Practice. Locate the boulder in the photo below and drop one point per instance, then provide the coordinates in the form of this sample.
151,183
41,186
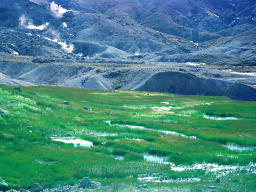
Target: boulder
88,183
36,188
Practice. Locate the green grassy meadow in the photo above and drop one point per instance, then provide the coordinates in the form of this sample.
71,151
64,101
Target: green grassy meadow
128,125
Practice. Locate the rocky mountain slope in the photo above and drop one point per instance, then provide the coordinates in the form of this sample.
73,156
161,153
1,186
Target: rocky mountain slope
204,47
180,78
207,31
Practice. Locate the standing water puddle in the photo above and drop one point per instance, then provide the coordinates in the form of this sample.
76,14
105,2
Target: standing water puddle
159,109
220,118
98,134
154,130
165,103
219,170
72,140
118,157
154,159
235,147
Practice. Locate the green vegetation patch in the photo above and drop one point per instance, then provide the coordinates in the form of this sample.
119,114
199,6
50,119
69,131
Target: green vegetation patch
123,127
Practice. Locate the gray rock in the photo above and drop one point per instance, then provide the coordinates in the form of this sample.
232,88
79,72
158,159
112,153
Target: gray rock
88,109
66,102
88,183
3,185
2,111
36,188
144,186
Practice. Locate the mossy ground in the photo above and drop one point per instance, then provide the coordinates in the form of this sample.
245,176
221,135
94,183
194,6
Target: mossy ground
34,114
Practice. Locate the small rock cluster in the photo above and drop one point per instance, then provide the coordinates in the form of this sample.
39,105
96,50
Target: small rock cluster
86,183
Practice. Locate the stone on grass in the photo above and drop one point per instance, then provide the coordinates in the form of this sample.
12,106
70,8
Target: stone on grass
144,186
88,183
36,188
66,102
2,111
3,185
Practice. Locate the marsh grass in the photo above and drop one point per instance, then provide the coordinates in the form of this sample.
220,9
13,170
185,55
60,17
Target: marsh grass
28,155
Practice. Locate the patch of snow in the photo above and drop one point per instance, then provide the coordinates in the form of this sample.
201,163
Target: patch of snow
72,140
220,118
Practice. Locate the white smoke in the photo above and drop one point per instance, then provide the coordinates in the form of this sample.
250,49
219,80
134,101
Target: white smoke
63,44
58,10
39,27
30,25
67,48
64,25
23,20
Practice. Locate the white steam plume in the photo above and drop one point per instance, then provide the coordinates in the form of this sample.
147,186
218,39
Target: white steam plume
30,25
58,10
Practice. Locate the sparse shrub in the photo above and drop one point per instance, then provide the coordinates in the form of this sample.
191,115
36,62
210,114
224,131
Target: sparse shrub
158,152
98,70
133,157
120,152
117,85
